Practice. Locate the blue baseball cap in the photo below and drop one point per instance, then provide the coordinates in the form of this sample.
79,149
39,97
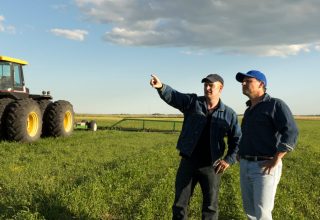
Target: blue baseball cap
253,74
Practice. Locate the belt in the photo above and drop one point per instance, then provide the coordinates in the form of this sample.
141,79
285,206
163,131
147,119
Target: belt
255,158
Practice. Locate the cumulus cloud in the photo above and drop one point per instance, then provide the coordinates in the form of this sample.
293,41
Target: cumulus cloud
317,47
264,27
76,34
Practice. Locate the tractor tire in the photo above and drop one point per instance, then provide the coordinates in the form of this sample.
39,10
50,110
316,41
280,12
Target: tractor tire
43,105
3,104
59,119
23,121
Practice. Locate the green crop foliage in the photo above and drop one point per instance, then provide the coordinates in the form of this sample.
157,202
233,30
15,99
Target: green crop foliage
112,174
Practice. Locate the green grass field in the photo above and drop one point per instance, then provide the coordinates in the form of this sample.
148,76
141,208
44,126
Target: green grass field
112,174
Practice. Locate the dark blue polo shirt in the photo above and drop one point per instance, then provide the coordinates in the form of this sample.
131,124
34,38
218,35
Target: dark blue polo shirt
267,128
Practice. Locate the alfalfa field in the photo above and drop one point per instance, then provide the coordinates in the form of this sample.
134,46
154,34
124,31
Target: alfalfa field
118,174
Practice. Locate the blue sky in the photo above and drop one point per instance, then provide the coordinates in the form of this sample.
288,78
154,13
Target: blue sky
99,54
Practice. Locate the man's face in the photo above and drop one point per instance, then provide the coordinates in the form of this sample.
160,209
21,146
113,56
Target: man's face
212,90
251,86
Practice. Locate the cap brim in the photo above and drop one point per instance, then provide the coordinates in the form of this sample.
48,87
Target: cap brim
240,77
205,80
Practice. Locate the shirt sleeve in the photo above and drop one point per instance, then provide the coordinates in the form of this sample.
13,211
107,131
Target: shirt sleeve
286,126
233,141
176,99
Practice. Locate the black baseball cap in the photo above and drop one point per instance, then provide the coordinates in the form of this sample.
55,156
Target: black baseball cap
213,78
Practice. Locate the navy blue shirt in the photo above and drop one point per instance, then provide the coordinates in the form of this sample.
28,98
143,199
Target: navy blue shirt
266,128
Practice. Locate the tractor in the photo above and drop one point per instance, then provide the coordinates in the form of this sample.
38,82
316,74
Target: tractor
26,117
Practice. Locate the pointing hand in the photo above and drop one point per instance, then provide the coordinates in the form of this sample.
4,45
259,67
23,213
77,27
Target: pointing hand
155,82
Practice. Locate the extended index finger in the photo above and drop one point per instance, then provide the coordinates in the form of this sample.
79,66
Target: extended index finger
154,76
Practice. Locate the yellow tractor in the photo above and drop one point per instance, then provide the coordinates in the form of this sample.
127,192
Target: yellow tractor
26,117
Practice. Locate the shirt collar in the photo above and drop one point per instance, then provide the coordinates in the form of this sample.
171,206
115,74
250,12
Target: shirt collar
221,106
266,97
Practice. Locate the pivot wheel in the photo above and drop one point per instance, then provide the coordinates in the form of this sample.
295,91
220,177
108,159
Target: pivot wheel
92,125
58,119
24,121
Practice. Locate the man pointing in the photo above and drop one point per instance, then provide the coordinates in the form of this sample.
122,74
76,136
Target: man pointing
207,120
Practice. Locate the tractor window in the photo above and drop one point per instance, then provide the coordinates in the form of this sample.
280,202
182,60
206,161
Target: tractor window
17,75
5,79
4,69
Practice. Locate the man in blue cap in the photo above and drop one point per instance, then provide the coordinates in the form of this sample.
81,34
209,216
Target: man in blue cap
207,121
269,131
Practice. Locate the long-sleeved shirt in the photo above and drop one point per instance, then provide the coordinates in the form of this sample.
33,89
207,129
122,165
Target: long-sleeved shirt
268,127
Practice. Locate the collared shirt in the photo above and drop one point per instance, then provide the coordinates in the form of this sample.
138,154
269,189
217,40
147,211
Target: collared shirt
267,127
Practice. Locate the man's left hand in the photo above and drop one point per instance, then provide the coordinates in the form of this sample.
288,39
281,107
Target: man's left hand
221,166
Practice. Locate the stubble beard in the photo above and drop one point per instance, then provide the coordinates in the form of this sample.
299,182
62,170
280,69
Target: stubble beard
246,92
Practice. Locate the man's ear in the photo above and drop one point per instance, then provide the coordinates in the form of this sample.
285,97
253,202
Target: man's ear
221,87
261,84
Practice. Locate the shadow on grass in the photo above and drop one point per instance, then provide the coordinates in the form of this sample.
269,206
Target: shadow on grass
42,207
51,207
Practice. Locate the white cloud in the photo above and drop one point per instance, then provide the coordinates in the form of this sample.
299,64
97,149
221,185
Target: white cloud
317,47
272,50
1,25
76,34
264,27
8,29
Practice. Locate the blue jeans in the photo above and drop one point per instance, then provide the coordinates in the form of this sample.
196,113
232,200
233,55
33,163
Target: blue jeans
258,189
188,175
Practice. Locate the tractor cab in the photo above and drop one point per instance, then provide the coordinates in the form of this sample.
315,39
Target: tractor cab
11,77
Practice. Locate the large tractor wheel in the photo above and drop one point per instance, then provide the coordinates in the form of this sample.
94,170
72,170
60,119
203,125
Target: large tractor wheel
23,120
43,104
58,119
3,104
